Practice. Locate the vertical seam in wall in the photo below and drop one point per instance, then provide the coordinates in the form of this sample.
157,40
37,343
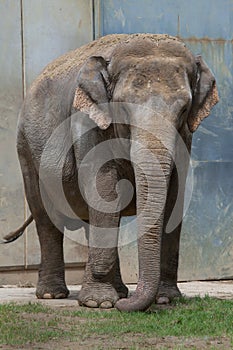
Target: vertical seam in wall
22,49
178,26
23,93
93,19
97,9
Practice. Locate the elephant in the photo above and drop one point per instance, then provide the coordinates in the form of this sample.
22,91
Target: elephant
141,95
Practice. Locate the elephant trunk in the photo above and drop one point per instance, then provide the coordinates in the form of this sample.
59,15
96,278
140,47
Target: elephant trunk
152,167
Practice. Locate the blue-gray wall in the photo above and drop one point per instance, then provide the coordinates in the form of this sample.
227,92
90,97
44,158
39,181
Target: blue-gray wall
207,28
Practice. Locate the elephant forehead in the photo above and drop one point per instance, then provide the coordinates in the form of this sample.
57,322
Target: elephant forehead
151,62
153,76
156,98
159,68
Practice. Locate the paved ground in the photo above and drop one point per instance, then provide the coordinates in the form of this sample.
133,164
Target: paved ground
223,290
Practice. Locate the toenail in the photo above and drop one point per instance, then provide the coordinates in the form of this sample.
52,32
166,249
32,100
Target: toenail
91,303
60,296
106,305
163,300
47,296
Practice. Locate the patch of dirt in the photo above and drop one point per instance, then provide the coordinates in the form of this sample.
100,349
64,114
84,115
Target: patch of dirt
129,341
126,341
26,284
132,342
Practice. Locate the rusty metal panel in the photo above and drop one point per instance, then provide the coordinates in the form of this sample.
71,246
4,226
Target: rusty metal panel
207,245
50,29
207,28
198,18
11,188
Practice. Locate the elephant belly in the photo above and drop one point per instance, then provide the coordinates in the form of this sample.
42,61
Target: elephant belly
75,199
76,202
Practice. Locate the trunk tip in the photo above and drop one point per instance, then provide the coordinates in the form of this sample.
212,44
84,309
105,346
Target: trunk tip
131,305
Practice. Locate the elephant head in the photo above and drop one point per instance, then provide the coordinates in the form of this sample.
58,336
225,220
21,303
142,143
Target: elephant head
167,92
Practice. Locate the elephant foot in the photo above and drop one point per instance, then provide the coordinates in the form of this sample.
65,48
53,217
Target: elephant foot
98,294
51,290
167,292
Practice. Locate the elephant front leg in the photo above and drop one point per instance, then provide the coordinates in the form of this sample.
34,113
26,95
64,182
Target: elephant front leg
102,285
51,282
101,280
168,288
101,292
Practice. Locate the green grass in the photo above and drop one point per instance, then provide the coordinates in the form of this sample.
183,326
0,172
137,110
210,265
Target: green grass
195,318
19,325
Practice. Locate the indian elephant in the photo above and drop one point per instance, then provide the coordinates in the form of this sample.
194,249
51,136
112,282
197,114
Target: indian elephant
148,90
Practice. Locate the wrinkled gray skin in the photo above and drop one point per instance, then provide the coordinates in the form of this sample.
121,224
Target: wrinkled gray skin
139,69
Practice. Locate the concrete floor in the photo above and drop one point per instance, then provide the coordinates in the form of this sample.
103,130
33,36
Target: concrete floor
219,289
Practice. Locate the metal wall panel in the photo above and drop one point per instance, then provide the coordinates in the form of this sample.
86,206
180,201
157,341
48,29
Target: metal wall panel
192,18
50,29
207,28
11,188
32,33
207,245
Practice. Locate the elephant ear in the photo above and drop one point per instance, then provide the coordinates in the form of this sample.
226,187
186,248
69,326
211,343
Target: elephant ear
205,95
91,95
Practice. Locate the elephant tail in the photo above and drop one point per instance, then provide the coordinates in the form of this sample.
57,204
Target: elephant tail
12,236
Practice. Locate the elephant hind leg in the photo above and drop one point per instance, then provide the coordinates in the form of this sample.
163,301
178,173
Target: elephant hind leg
118,284
167,293
51,281
168,289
